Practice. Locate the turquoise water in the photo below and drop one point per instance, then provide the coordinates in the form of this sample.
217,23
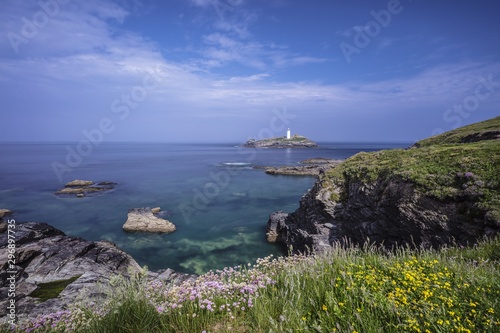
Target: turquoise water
218,202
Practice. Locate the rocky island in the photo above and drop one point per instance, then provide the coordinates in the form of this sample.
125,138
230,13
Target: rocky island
295,141
83,188
443,190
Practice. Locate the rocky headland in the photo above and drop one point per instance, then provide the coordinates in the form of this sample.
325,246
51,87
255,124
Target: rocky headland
443,190
53,270
295,141
310,167
83,188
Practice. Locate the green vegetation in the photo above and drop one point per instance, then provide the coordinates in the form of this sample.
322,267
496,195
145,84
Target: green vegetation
465,133
446,171
345,290
282,141
52,289
348,289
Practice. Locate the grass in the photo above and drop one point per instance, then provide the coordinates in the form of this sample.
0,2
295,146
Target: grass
462,134
466,172
49,290
356,289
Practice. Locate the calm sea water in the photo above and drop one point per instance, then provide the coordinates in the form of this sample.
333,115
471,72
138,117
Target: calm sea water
219,203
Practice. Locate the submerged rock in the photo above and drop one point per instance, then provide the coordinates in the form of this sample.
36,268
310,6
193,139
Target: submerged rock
143,219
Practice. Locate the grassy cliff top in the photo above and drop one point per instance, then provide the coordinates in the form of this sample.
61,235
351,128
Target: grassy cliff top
442,167
485,130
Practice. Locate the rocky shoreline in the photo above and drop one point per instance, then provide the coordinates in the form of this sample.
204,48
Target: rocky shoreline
45,255
418,197
312,167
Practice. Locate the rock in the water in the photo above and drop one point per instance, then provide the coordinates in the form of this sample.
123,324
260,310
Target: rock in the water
312,167
5,212
143,219
79,183
296,141
274,225
156,210
82,188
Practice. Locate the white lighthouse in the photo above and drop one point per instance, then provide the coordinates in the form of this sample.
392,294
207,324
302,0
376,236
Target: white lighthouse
288,134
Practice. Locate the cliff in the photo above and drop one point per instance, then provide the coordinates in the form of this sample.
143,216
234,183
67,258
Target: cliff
443,190
295,141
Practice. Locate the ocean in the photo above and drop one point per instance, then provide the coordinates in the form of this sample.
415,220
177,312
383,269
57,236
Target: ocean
219,203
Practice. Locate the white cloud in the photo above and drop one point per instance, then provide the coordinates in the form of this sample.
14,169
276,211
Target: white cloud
82,76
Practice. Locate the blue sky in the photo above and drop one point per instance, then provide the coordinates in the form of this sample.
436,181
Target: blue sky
228,70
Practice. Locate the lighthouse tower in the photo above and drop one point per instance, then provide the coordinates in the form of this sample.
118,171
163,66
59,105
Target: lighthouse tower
288,134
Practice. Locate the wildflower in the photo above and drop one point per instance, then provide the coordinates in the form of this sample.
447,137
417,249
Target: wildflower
324,307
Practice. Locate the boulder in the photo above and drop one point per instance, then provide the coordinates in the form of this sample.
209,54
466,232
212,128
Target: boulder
274,225
5,212
156,210
143,219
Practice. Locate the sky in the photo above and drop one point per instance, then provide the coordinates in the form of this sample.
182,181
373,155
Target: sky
230,70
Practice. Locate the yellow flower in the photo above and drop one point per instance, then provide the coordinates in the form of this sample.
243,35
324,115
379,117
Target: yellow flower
324,307
304,318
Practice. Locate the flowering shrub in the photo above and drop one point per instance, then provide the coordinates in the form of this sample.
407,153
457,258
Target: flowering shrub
228,291
344,290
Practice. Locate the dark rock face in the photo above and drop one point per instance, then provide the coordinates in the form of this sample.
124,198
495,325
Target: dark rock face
45,254
390,213
489,135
